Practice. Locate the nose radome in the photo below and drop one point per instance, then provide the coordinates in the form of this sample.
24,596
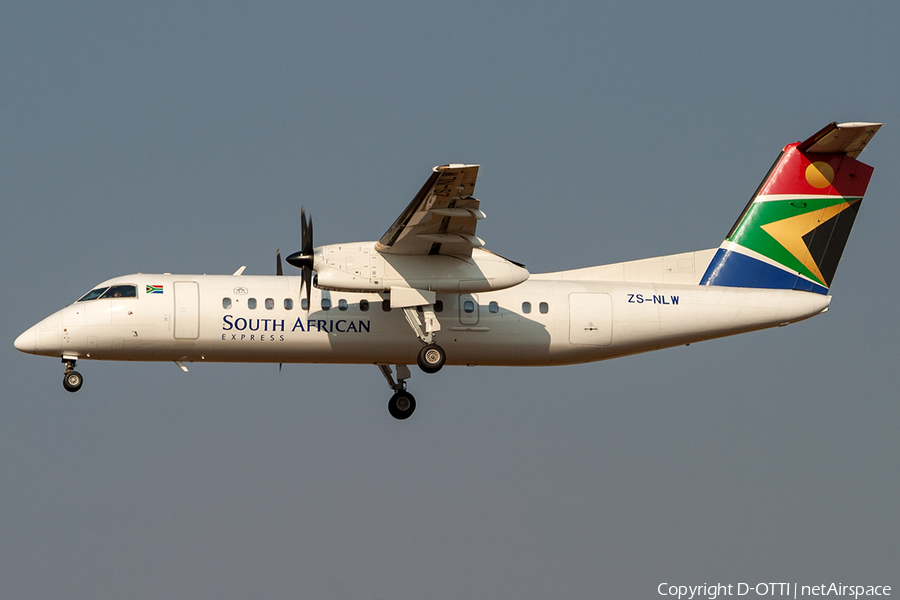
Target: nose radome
25,342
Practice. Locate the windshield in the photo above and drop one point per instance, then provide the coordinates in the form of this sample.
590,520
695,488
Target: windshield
92,295
116,291
120,291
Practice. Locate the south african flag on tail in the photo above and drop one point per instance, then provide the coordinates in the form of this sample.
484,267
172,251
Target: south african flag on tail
792,233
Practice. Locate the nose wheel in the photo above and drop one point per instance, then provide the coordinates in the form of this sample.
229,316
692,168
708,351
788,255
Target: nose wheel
72,379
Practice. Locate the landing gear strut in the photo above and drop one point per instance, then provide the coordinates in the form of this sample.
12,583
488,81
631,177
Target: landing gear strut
72,379
402,404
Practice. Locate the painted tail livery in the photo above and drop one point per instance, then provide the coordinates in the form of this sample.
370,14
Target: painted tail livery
793,231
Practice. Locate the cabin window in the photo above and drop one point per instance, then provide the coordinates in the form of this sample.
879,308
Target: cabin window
494,307
469,306
304,304
270,303
326,303
288,304
526,307
364,305
545,308
386,305
251,303
342,304
439,306
226,303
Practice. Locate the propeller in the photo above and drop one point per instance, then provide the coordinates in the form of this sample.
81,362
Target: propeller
303,259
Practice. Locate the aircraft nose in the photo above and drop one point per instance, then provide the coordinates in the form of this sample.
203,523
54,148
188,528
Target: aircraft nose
26,341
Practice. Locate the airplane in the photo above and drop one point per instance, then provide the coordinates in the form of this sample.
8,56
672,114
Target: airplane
429,292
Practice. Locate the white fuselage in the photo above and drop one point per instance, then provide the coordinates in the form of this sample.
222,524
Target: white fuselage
547,320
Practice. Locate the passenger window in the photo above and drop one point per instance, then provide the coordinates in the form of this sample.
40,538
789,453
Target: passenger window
251,303
342,304
526,307
226,303
364,305
288,304
270,303
469,306
439,306
544,308
304,304
326,303
494,307
120,291
386,305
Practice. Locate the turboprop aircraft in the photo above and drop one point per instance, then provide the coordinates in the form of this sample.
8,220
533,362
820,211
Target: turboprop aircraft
429,292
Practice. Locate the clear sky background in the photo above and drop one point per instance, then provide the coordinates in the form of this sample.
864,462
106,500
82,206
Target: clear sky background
184,137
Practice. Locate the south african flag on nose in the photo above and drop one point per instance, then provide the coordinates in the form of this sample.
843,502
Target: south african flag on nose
154,289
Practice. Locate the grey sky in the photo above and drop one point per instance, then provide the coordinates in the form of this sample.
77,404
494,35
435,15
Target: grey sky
185,136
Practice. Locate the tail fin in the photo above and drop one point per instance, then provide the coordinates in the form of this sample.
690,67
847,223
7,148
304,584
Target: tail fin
792,233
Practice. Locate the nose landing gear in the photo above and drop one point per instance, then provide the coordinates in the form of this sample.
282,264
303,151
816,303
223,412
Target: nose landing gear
72,379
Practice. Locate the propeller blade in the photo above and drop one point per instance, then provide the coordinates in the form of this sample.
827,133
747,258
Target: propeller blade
307,280
305,258
305,232
278,270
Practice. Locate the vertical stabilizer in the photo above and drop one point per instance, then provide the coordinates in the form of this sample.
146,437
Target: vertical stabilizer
792,233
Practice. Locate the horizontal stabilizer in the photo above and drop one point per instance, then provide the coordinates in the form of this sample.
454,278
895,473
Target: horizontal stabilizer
843,138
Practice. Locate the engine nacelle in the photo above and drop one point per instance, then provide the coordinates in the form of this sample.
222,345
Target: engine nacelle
358,267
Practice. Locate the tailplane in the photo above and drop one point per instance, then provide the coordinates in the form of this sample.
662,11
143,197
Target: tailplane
792,233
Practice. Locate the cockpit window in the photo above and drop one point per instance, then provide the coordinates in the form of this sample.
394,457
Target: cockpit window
120,291
92,295
116,291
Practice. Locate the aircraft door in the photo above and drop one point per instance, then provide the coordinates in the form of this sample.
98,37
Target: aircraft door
468,309
187,310
590,319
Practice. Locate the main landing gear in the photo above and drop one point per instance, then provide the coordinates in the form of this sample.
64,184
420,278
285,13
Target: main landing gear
402,404
431,358
418,308
424,324
72,379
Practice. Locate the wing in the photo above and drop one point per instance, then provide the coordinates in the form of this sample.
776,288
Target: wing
441,218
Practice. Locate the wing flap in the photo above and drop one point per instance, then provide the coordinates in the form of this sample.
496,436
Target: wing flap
452,238
459,212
